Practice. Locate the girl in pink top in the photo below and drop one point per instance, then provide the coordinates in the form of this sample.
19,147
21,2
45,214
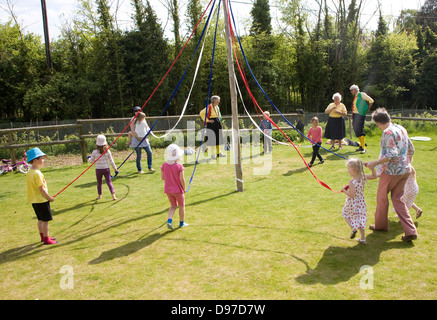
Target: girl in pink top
172,172
315,135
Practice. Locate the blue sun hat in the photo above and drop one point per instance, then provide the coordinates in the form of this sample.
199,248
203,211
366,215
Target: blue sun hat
34,153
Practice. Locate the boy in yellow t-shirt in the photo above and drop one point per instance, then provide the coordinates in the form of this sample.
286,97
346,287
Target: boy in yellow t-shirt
37,194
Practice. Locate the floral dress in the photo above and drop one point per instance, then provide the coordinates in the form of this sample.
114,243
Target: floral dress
355,208
411,190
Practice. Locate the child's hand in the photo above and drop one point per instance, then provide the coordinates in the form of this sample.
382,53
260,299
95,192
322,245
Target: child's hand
345,188
51,199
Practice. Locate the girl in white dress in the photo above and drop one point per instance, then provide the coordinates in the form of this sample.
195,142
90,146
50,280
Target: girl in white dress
355,209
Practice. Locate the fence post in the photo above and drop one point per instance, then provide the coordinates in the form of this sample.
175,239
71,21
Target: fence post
82,144
12,150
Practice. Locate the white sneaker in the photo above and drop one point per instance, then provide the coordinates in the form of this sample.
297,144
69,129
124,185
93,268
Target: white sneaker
184,225
170,226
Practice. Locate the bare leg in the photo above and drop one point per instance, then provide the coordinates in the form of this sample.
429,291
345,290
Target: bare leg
418,210
363,235
348,221
182,213
43,227
171,212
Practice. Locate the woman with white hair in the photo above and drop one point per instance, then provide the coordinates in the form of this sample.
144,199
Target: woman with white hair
214,134
336,128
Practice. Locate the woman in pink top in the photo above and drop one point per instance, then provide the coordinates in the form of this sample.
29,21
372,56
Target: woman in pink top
172,172
315,135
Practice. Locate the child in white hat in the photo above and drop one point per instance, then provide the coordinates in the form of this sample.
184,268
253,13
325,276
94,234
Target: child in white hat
172,172
102,165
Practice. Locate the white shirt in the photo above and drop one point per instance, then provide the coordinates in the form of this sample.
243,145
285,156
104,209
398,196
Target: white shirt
141,128
104,161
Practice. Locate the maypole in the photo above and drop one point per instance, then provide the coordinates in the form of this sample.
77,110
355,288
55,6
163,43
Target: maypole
236,147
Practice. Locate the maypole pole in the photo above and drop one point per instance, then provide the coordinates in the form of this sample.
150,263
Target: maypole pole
236,146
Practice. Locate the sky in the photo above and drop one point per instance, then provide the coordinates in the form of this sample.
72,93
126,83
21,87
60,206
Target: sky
29,16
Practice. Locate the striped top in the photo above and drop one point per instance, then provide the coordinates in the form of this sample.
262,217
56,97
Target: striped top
104,161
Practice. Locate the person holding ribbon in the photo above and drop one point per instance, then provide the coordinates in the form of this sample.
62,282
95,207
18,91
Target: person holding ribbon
139,128
214,134
394,168
362,103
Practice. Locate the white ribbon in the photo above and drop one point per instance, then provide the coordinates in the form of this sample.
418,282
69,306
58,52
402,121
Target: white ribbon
192,86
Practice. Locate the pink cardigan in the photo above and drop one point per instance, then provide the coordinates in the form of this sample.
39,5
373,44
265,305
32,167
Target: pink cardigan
315,134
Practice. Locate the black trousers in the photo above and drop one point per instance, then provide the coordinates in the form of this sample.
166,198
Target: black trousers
316,153
358,124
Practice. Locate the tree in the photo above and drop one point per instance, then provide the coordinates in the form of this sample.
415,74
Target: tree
21,68
426,15
407,21
263,48
145,56
392,70
262,21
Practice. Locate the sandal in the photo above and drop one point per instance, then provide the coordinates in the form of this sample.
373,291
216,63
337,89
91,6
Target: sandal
418,214
353,234
361,241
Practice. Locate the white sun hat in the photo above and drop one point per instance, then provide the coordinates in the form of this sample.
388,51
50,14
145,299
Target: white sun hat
101,140
174,152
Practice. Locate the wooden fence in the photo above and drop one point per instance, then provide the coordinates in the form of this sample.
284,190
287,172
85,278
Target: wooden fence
81,123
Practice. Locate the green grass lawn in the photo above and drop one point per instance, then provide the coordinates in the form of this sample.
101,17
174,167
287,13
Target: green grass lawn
282,238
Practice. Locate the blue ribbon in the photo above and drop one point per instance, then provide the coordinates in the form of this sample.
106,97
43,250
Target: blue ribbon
259,86
174,92
207,100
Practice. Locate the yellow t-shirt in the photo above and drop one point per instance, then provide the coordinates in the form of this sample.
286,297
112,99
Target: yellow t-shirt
215,112
341,107
35,179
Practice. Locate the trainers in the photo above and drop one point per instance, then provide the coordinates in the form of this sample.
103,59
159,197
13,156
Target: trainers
310,165
50,241
322,162
152,170
184,225
170,226
363,151
359,149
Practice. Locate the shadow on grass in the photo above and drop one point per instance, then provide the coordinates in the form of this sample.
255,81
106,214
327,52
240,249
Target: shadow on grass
93,203
28,250
246,248
131,247
89,203
210,199
333,157
339,264
296,171
17,253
